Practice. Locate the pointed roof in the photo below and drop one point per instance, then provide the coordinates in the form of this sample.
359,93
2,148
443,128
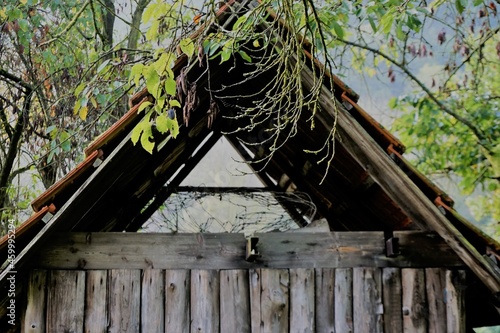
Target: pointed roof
369,185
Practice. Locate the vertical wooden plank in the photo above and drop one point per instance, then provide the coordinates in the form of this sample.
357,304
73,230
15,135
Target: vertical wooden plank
96,306
367,300
152,302
455,301
234,301
124,300
343,300
392,298
302,300
65,301
435,287
415,311
34,319
274,300
325,287
177,297
205,301
255,301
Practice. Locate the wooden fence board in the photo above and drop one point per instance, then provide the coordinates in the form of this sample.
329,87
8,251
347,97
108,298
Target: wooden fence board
234,301
96,306
65,301
343,300
367,300
274,300
255,301
415,310
455,301
152,301
435,286
124,300
177,299
227,251
325,290
392,298
205,301
34,319
302,300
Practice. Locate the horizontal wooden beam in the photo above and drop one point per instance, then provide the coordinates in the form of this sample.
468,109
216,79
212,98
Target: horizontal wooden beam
227,251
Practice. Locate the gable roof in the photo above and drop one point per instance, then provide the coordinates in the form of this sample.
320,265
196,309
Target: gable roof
369,185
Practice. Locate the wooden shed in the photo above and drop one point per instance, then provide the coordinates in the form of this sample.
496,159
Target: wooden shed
393,256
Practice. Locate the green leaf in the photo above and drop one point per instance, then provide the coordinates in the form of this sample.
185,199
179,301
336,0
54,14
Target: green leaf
173,127
65,142
152,80
245,56
174,103
76,108
225,54
170,86
239,22
102,66
135,73
143,106
187,46
460,6
162,123
79,89
393,102
338,29
147,134
136,132
83,112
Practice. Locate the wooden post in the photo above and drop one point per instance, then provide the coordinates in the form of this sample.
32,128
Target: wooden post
435,285
274,300
302,300
343,300
255,301
392,298
415,311
205,301
96,305
455,301
152,301
325,290
124,300
367,300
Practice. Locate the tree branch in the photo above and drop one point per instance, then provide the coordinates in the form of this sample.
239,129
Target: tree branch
477,132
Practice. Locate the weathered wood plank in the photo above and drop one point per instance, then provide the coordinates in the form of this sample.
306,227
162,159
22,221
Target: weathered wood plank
455,301
325,290
255,301
124,300
302,300
234,301
435,287
274,300
343,300
177,298
415,310
65,301
152,301
392,298
34,319
367,300
227,251
205,301
96,306
398,186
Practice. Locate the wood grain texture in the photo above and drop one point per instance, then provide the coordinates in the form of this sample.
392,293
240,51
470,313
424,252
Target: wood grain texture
96,302
325,291
302,300
274,300
415,310
65,301
34,318
124,300
152,301
455,301
205,301
177,299
255,301
343,300
435,285
367,300
227,251
392,298
234,301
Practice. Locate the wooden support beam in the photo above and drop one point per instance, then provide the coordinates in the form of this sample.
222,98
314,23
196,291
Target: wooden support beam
397,185
227,251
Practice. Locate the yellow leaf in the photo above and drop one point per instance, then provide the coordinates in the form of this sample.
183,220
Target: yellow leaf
83,112
23,1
